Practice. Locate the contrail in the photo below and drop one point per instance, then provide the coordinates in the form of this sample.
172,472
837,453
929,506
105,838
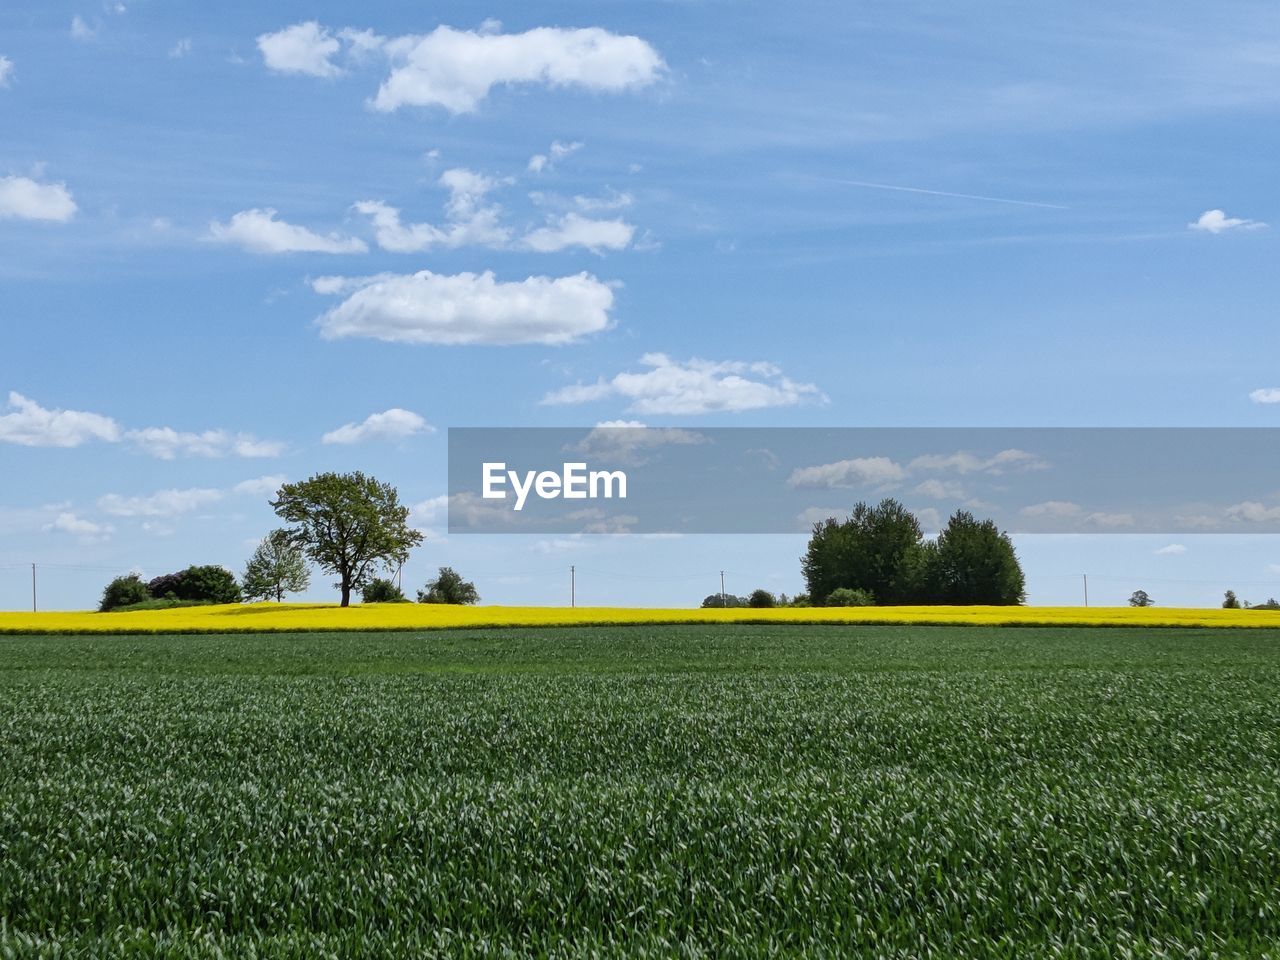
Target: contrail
944,193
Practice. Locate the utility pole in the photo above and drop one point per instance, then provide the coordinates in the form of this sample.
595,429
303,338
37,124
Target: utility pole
1086,588
722,598
33,588
573,585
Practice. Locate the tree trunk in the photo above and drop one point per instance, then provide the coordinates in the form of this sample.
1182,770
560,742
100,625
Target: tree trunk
346,592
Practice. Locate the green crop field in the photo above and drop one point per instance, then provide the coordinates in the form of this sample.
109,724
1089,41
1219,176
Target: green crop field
647,791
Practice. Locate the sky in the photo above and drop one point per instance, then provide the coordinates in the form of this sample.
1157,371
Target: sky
245,242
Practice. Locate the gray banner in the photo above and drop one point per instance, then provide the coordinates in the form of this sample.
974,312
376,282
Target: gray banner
781,480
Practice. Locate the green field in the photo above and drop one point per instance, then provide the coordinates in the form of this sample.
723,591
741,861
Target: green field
647,791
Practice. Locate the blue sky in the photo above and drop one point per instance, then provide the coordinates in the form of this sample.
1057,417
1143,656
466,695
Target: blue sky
852,215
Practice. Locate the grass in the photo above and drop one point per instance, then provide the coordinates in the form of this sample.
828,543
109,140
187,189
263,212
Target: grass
649,791
294,617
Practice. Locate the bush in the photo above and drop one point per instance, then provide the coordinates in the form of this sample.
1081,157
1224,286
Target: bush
208,584
378,590
761,599
846,597
122,592
449,587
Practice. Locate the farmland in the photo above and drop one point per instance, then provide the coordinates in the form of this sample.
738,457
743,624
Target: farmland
710,790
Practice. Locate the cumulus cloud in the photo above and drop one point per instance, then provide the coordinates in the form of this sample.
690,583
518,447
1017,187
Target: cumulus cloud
86,530
469,220
260,486
393,424
22,198
305,48
1265,395
629,442
856,472
466,308
163,503
1171,550
1110,520
456,69
80,29
175,502
574,230
31,425
694,386
1215,221
6,71
963,462
1053,509
258,231
1253,512
541,162
939,490
165,443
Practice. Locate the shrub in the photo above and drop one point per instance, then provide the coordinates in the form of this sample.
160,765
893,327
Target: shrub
449,587
846,597
123,591
761,599
379,590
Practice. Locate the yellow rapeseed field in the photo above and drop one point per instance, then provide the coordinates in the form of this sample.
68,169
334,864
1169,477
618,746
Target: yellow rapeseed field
264,617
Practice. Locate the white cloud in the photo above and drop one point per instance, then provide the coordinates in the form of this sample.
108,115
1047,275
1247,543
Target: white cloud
694,386
456,69
180,49
939,490
302,48
466,308
260,486
805,519
22,198
1054,509
165,443
1266,395
84,529
80,30
1215,221
859,471
258,231
1253,512
1110,520
573,230
393,424
627,442
963,462
468,219
614,201
163,503
541,162
6,71
31,425
1171,550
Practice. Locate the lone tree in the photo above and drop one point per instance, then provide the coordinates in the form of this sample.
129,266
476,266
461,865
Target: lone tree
1140,599
1229,601
449,587
277,567
348,524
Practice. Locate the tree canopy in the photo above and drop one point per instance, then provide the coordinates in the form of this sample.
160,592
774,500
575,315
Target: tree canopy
277,567
348,524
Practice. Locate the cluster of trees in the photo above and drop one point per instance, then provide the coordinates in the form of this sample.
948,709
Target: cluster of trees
1231,602
348,524
879,555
